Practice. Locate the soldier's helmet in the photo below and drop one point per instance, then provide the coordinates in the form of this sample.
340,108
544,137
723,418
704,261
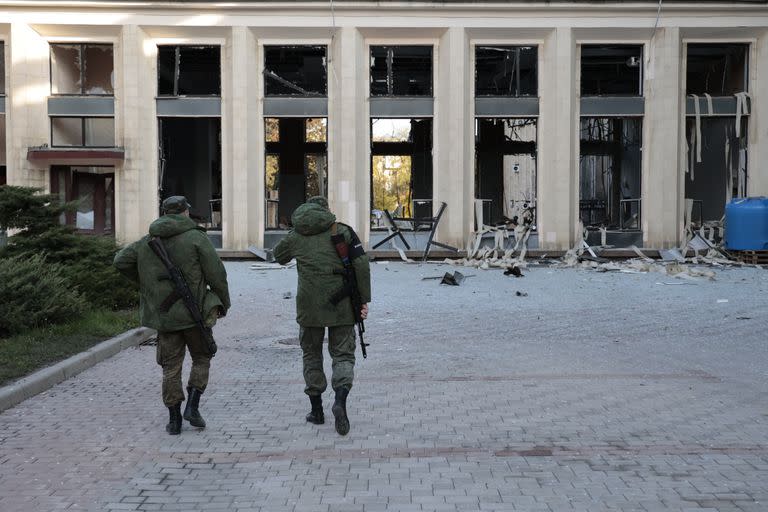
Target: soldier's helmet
176,204
319,200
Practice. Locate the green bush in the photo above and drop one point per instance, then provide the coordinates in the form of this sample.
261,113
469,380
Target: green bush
85,260
35,293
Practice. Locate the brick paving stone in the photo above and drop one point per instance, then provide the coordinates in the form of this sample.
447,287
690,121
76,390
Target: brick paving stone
595,392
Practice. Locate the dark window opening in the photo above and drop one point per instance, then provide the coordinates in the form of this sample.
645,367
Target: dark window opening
2,68
611,70
82,69
295,71
94,190
189,70
610,171
401,169
505,170
296,165
3,156
92,132
721,173
506,71
190,166
401,71
716,69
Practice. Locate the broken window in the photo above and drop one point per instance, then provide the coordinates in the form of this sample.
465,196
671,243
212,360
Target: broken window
82,69
506,71
189,70
610,171
611,70
401,168
295,71
401,71
190,166
82,131
716,69
716,170
2,68
505,170
94,190
296,165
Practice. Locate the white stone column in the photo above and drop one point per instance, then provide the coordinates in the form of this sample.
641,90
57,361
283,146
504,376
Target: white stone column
663,142
242,144
558,143
757,172
136,184
26,117
349,179
453,171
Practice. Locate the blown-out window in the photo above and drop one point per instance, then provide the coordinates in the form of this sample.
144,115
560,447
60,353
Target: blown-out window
82,132
188,70
506,71
611,70
82,69
295,71
401,70
717,69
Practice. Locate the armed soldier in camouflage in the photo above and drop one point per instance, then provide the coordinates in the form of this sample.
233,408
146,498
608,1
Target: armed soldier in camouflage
193,254
320,278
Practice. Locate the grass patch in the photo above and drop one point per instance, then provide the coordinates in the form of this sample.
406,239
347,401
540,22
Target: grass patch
24,353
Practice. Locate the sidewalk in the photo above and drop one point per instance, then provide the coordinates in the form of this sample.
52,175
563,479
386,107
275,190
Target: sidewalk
597,391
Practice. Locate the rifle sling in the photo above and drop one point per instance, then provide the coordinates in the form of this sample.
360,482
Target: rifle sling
169,301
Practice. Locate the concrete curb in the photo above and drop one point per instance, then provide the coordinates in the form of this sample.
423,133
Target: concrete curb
46,378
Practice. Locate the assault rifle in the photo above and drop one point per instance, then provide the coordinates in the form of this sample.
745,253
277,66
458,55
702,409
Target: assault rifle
349,289
182,291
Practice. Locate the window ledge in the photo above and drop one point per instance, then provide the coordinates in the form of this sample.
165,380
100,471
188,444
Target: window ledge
76,156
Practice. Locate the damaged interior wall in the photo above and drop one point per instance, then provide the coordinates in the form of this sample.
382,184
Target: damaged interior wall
190,165
401,70
82,69
401,168
716,157
505,170
295,70
610,171
296,164
506,71
188,70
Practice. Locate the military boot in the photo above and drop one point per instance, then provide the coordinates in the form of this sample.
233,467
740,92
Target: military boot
340,411
191,412
174,423
316,415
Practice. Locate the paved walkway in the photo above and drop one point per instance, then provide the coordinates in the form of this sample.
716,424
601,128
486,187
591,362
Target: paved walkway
596,391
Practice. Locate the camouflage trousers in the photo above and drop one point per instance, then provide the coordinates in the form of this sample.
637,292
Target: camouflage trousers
341,346
171,347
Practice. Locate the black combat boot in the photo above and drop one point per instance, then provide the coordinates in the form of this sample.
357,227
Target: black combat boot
174,422
340,411
316,415
191,412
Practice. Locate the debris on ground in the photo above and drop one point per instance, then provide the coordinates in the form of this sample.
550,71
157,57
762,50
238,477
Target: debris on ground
521,294
287,295
272,266
514,270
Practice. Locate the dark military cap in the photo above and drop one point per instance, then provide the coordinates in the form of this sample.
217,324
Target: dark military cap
176,204
319,200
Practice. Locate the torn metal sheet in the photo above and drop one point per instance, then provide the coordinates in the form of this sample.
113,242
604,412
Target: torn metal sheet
272,266
264,254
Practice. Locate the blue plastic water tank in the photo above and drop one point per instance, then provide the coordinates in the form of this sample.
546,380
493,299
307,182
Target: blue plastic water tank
746,224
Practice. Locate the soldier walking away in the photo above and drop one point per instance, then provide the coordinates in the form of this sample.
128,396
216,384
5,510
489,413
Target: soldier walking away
164,303
323,300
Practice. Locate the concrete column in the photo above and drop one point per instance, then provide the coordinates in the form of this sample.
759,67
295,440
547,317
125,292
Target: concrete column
757,173
453,135
349,178
558,143
663,142
26,118
136,190
242,144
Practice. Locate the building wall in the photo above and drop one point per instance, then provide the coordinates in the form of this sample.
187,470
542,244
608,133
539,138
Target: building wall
453,29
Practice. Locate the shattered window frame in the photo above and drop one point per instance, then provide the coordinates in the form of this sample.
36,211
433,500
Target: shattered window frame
2,68
83,65
163,81
289,72
524,80
394,80
721,52
609,83
84,132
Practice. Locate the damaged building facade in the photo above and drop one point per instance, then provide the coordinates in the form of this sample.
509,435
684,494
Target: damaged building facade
627,120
